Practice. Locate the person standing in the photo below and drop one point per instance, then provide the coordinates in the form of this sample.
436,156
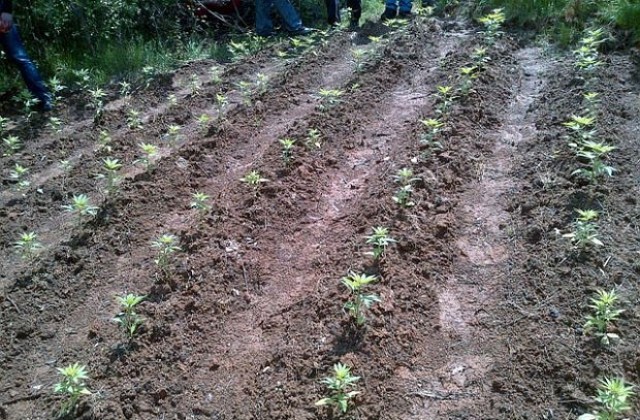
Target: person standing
333,12
15,51
396,8
290,17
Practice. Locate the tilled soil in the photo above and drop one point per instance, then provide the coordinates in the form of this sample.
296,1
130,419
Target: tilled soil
483,300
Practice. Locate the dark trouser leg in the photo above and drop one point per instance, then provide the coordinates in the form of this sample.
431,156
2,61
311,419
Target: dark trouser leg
333,11
356,9
12,46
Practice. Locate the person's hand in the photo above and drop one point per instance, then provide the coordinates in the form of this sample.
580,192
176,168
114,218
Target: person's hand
6,22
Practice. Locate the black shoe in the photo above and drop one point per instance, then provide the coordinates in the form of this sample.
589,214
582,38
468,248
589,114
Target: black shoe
405,15
354,24
44,106
301,31
388,14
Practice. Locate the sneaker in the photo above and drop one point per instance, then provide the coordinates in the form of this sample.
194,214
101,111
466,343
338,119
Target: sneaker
301,31
388,14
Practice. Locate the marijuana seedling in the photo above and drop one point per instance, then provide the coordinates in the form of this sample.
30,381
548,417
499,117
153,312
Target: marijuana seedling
428,139
128,319
480,58
585,230
445,99
359,301
492,23
221,104
380,240
339,386
262,83
173,100
55,124
72,385
104,141
167,245
18,174
215,74
81,207
12,145
313,139
359,56
203,122
605,314
581,128
593,101
287,150
111,168
594,152
173,134
254,180
246,92
613,397
194,85
200,202
97,102
329,98
149,152
28,245
405,178
467,75
133,119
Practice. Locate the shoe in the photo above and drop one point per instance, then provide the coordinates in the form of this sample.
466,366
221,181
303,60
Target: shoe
44,106
301,31
405,15
354,24
266,34
388,14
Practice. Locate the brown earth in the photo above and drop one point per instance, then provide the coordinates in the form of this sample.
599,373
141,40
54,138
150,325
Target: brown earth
483,301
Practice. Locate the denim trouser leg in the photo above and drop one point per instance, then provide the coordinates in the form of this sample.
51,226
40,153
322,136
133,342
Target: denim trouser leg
333,11
405,6
391,4
12,46
264,24
290,16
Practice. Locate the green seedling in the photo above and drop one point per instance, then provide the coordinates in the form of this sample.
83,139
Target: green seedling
329,98
313,140
194,85
339,385
254,180
133,119
203,122
405,178
111,168
166,245
18,174
81,207
72,386
480,58
215,75
65,166
492,23
4,123
467,75
359,301
173,134
221,104
173,100
246,92
200,202
28,245
433,128
593,101
56,87
262,83
613,399
104,141
239,49
287,150
12,145
55,124
128,319
581,128
83,78
594,152
585,230
380,240
97,102
359,57
445,96
125,89
604,315
586,55
149,152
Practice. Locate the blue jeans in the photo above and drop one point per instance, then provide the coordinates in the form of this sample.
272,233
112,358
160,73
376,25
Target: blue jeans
13,48
290,17
405,5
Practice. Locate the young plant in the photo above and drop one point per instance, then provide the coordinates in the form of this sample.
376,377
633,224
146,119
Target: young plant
594,152
246,92
104,141
480,58
593,101
221,104
81,207
55,87
125,89
433,128
605,314
166,246
18,174
173,134
585,230
55,124
329,98
339,385
111,168
173,100
28,245
262,83
405,178
133,119
287,150
586,56
194,85
200,202
4,123
12,145
215,75
128,319
359,57
359,301
445,96
254,180
380,240
203,122
581,128
65,166
467,75
313,139
492,23
149,152
97,102
613,397
72,386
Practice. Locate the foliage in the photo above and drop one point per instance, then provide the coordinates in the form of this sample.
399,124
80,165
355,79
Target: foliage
166,245
81,207
585,230
254,180
359,301
72,385
380,240
613,397
200,202
339,386
128,319
604,315
27,245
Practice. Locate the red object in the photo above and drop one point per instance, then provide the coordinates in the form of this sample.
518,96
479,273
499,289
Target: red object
224,7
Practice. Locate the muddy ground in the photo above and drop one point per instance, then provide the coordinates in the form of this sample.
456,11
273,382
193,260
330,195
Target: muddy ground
483,300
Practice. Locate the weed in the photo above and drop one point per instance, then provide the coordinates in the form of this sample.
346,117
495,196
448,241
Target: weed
582,128
27,245
56,87
492,23
359,301
125,89
339,386
200,202
4,123
586,55
585,230
254,180
12,145
72,385
149,152
111,168
128,319
313,140
603,317
133,119
613,397
287,150
594,152
166,246
380,240
329,98
445,96
81,207
405,178
18,174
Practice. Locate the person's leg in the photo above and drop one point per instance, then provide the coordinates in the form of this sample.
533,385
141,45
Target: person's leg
264,24
356,11
15,51
405,7
390,10
333,11
290,16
